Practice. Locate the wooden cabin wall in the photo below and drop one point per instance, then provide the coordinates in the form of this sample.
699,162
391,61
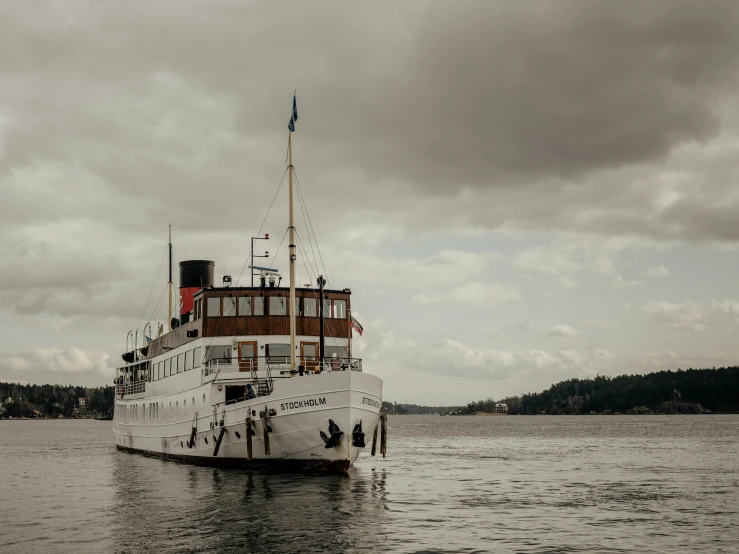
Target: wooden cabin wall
273,325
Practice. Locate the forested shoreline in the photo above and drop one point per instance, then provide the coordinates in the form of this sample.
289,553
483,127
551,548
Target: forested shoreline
30,401
680,391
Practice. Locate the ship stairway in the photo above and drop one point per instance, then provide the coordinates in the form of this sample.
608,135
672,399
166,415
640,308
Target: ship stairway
263,386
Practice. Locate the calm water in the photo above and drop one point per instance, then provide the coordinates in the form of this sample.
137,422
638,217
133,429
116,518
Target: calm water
449,484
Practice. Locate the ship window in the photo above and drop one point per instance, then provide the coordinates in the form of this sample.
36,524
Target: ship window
340,309
310,307
188,360
217,353
327,308
180,363
197,358
214,306
259,305
278,353
166,368
173,365
198,308
336,351
277,305
229,305
245,305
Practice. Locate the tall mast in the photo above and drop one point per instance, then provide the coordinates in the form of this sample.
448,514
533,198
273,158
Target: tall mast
291,303
169,313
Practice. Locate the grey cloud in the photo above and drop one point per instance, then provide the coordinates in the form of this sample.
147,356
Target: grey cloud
173,113
563,331
557,88
588,119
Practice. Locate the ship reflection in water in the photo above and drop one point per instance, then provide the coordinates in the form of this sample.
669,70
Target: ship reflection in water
168,507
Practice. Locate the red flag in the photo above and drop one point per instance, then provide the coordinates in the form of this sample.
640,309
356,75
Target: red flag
356,326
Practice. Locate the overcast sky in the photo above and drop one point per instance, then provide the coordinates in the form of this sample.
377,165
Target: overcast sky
517,192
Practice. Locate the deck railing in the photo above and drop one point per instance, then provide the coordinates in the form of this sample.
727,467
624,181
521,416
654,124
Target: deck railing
263,370
279,366
130,388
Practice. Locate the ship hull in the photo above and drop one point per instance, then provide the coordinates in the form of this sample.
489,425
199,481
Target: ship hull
264,464
303,412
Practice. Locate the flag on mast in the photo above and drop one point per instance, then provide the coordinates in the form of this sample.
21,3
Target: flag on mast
356,325
293,116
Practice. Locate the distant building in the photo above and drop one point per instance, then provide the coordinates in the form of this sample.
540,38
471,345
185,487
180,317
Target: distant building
82,402
501,408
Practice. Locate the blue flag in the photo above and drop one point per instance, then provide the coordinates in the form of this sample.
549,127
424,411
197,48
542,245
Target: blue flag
294,116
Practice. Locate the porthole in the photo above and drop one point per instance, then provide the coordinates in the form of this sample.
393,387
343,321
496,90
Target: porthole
205,439
203,398
184,403
237,435
182,445
254,413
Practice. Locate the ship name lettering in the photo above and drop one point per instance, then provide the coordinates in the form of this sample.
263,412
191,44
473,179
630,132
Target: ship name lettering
370,402
303,403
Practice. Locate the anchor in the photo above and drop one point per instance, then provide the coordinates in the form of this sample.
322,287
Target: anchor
358,435
191,442
336,434
218,441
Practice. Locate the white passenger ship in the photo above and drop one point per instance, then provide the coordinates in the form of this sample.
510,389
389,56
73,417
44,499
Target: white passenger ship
259,375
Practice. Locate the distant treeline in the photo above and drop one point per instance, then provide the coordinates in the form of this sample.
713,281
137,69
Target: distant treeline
411,409
715,389
51,400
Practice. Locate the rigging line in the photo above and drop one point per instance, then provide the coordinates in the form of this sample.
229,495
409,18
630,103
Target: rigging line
274,257
157,306
311,271
304,210
307,271
238,279
210,342
300,192
302,203
152,288
316,294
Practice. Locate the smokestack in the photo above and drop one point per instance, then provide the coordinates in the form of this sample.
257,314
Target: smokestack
194,275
